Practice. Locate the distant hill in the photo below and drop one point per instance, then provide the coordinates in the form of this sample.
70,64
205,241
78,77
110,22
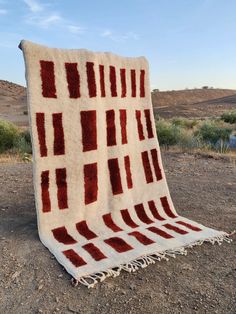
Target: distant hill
199,103
13,103
184,103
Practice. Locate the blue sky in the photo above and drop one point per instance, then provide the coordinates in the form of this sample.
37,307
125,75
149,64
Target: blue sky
189,43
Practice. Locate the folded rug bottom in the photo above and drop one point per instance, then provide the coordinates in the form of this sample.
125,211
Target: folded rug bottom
91,252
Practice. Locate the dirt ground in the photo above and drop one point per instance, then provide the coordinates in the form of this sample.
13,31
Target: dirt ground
204,281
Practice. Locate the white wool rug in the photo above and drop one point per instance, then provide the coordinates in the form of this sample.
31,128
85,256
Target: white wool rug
101,195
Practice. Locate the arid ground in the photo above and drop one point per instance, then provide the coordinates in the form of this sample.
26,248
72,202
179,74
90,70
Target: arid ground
32,281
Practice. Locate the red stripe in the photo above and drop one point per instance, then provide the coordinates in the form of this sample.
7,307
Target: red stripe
127,218
48,79
128,172
75,259
142,83
154,211
59,142
118,244
123,82
89,129
194,228
102,81
139,125
148,123
91,79
61,188
45,191
110,223
94,251
84,230
160,232
90,183
123,123
111,127
166,207
61,235
156,164
140,211
115,177
113,81
147,167
40,122
73,79
133,83
141,238
176,229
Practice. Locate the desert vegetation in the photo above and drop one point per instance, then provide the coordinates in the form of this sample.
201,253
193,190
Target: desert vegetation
182,133
192,134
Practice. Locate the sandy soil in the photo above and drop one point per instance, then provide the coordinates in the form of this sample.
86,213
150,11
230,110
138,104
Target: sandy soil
32,281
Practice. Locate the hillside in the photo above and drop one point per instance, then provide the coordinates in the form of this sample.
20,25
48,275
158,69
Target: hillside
197,103
13,103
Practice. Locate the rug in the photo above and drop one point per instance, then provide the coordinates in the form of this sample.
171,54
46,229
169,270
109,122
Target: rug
102,200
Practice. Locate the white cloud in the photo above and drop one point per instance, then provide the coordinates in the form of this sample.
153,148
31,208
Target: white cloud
45,21
119,37
3,12
76,29
106,33
33,5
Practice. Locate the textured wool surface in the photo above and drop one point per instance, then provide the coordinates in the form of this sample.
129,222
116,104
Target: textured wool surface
101,195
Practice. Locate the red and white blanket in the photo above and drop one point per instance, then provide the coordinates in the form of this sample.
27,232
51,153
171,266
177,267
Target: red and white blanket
101,195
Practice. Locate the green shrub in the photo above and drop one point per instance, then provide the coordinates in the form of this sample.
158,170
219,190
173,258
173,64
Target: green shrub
229,117
23,143
184,123
211,133
9,134
188,142
168,134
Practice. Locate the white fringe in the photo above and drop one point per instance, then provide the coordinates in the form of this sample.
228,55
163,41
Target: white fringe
143,261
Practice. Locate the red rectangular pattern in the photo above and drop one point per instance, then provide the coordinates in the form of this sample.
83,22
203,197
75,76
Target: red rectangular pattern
175,229
139,125
147,167
128,172
148,123
48,79
166,207
90,183
61,188
118,244
133,83
127,218
156,164
160,232
92,89
113,81
110,223
40,123
46,203
141,237
140,211
61,235
89,130
123,124
59,142
142,83
73,79
115,177
111,127
94,251
102,80
123,82
84,230
75,259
